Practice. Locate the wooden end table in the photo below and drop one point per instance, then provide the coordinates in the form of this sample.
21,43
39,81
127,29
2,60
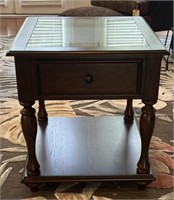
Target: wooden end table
58,58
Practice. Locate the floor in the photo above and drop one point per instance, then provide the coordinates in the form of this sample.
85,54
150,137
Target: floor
10,26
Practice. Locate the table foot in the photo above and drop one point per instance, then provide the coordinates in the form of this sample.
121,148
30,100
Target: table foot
142,185
129,113
33,187
147,122
42,113
29,128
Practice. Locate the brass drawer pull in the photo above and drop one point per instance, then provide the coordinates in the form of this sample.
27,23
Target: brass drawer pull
88,79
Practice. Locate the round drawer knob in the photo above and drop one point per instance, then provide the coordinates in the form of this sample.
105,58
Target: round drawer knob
88,79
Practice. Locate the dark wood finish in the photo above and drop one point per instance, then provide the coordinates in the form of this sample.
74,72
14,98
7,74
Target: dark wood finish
42,113
87,149
109,64
147,122
88,77
129,113
29,127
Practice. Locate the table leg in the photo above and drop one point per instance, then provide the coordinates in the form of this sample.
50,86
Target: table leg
42,114
29,128
147,122
129,113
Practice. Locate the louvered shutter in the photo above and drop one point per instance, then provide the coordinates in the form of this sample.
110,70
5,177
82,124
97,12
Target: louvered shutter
3,2
43,36
7,7
123,33
40,2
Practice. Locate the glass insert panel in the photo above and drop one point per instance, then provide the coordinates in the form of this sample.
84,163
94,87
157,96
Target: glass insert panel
47,33
123,32
99,32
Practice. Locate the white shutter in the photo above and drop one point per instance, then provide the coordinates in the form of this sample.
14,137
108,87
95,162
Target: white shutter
123,33
40,2
41,6
3,3
7,7
47,33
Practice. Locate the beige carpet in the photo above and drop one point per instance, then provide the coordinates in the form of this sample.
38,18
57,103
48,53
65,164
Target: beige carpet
13,149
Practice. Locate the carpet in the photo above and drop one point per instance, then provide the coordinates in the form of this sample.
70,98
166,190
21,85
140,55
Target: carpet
13,149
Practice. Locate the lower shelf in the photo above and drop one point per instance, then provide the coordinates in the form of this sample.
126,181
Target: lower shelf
87,149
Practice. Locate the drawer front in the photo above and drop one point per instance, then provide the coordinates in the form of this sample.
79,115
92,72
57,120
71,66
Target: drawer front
89,78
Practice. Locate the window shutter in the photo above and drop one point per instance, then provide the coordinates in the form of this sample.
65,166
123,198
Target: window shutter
118,33
40,2
3,2
44,37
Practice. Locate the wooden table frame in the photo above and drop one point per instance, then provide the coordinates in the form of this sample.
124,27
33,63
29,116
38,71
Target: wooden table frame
37,72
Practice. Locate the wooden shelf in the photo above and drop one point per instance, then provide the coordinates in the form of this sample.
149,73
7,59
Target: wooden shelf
103,148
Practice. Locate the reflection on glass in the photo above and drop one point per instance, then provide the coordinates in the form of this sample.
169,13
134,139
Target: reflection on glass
47,33
86,33
81,33
123,33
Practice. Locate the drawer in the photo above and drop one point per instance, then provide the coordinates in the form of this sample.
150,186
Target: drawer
89,78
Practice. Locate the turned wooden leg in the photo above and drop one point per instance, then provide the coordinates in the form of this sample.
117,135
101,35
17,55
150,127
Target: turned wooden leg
29,128
147,122
42,113
129,113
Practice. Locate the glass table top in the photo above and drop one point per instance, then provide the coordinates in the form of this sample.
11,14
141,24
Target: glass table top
86,32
